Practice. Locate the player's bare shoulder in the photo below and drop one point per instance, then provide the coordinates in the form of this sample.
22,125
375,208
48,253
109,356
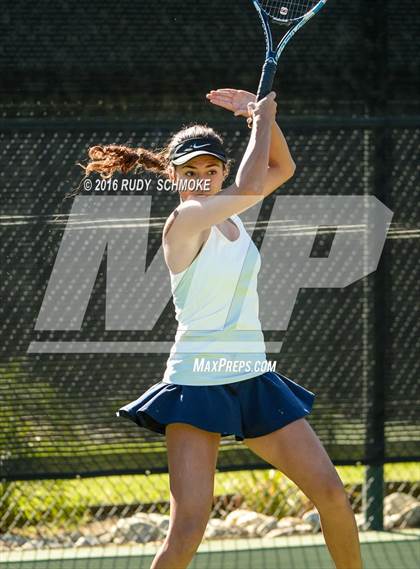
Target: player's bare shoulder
178,225
168,226
179,245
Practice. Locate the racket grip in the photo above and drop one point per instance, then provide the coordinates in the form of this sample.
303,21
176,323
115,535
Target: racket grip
267,79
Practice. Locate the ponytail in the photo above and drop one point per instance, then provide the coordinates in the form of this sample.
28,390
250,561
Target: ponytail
111,158
106,160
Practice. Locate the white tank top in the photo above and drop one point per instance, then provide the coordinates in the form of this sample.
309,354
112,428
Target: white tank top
219,337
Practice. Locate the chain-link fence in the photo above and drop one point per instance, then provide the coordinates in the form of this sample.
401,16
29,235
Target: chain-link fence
58,413
249,506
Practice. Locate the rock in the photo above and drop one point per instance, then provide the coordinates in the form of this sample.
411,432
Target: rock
139,528
313,519
412,516
73,535
217,528
303,529
256,524
288,521
161,520
12,539
397,502
105,538
87,541
401,511
67,544
33,544
407,518
53,543
280,532
260,525
240,517
296,529
266,525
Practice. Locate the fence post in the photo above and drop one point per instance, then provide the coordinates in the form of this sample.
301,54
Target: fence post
376,97
373,495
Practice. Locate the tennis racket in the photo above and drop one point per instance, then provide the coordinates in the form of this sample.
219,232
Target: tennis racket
293,15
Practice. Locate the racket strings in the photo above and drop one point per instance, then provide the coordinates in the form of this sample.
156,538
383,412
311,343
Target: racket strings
286,10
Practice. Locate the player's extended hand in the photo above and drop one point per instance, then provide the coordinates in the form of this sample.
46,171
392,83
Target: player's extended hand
234,100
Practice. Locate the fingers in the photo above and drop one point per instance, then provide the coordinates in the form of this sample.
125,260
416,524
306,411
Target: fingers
270,97
232,99
251,108
265,108
228,93
219,96
221,93
218,100
224,90
267,100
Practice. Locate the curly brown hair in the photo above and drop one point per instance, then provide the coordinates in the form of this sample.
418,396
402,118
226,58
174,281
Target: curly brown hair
111,158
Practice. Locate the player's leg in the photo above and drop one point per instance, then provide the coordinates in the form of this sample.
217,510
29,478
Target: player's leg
297,451
192,458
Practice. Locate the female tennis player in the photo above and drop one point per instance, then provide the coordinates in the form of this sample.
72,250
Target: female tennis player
213,266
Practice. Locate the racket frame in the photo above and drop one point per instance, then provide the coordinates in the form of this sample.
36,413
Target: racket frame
272,55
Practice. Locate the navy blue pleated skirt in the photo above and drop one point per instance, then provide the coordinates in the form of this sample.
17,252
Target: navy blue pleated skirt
249,408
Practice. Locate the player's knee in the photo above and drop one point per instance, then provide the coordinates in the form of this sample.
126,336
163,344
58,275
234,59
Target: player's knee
332,494
186,536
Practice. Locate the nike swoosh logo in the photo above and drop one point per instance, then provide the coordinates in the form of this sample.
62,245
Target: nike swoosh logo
197,146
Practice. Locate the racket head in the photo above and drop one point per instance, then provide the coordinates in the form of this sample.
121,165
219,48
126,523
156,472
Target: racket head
288,11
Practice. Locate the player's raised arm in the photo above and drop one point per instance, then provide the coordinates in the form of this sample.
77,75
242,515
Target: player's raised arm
253,167
281,165
195,215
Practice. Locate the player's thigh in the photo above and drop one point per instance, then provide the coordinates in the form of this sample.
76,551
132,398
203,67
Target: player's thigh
297,451
192,459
